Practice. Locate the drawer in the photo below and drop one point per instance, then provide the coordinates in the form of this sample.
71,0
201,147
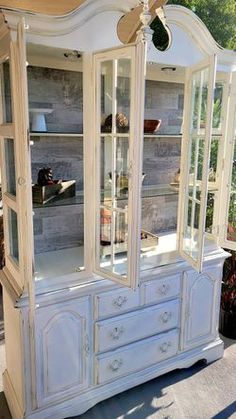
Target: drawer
137,325
116,302
136,356
161,289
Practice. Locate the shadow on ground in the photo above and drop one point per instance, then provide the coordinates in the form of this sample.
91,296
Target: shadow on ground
146,400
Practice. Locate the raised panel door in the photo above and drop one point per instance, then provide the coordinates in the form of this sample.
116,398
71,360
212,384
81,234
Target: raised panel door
62,350
201,306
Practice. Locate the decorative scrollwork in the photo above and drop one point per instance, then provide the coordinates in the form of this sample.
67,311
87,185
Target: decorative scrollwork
119,301
116,364
86,345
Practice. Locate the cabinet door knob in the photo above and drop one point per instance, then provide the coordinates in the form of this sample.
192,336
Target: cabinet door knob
119,301
117,332
164,347
163,289
116,364
165,317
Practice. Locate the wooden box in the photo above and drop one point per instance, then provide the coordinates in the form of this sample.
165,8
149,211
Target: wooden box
62,190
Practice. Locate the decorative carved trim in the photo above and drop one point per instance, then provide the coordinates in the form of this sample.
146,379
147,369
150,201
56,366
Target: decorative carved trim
145,32
46,25
191,24
129,24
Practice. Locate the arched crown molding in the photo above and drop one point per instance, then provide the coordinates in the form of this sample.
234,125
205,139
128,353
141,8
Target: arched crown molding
47,25
191,24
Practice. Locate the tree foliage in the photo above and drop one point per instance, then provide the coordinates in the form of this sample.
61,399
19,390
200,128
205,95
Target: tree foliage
218,16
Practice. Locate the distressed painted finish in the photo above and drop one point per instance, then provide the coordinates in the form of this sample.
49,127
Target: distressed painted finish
150,331
68,318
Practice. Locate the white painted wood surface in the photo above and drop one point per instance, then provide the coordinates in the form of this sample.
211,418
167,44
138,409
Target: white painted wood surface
138,325
62,350
170,321
138,356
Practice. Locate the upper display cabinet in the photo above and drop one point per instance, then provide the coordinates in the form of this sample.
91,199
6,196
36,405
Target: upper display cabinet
113,156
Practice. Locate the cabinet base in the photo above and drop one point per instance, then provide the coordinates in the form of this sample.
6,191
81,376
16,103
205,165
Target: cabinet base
81,403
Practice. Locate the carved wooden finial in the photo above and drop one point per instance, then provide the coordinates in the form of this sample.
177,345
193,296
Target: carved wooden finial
145,32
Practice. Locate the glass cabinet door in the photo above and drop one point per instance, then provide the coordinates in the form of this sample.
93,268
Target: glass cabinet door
117,168
228,194
197,136
15,178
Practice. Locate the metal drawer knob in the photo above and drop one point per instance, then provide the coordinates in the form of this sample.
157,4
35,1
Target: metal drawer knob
117,332
165,317
164,347
116,364
119,301
163,289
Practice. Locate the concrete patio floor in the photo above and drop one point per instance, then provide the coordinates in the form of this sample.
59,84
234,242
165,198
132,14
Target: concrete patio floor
199,392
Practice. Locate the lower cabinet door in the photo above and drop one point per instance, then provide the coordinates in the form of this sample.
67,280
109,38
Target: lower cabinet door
136,356
201,307
62,350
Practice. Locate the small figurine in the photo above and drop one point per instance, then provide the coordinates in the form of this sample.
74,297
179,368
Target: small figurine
177,176
45,176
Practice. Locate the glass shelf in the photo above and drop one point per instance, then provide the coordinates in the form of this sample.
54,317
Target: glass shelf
74,200
162,135
54,134
146,192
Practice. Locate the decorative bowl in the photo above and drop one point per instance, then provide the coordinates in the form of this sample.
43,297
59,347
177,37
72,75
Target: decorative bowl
151,125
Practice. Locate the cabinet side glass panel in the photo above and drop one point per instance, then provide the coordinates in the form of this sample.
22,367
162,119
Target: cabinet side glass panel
161,172
200,85
6,92
10,166
57,171
212,183
13,235
231,221
114,165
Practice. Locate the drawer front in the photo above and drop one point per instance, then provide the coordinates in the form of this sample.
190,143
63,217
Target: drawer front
136,356
137,325
161,289
116,302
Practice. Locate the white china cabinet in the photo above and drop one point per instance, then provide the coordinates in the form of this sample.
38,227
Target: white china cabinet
113,230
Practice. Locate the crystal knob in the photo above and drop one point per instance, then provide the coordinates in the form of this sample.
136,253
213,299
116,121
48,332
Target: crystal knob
119,301
165,317
164,347
116,364
163,289
117,332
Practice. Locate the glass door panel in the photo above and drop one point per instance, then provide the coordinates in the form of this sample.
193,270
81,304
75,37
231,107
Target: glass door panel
230,224
114,164
197,149
10,166
227,216
115,77
6,92
16,180
8,171
13,235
